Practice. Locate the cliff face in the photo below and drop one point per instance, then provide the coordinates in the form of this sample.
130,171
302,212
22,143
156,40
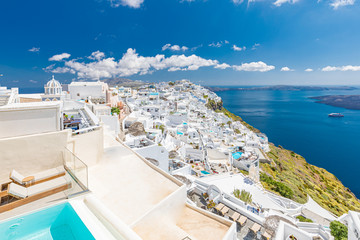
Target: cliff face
292,171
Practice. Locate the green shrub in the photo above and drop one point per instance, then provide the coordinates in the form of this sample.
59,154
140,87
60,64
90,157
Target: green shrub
339,230
276,186
303,219
243,195
115,110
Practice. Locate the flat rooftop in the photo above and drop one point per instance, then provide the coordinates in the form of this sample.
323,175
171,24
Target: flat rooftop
134,189
189,223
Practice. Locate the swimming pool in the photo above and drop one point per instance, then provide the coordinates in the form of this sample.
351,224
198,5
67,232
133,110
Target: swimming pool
55,223
205,172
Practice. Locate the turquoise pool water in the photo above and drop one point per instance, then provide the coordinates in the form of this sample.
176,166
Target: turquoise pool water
205,172
55,223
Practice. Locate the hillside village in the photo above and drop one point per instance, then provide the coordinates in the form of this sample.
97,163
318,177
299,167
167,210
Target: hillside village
181,130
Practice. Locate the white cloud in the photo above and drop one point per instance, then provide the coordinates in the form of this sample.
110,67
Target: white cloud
286,69
255,46
130,64
342,68
129,3
174,47
341,3
34,49
59,57
254,67
278,3
99,66
32,81
309,70
97,55
51,68
236,48
222,66
218,44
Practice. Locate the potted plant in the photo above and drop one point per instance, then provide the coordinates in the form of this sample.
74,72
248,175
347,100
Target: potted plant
205,195
292,237
211,204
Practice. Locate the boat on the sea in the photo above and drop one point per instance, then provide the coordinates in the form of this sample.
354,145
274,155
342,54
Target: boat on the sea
336,115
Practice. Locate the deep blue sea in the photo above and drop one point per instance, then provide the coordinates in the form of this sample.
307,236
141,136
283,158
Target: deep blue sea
292,120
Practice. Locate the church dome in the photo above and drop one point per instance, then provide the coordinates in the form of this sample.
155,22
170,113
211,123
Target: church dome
53,87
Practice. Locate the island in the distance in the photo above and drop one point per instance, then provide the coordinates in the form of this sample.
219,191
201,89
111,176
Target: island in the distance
282,88
344,101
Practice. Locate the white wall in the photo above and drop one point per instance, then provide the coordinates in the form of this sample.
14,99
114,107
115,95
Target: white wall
158,153
29,120
112,122
31,154
89,147
85,91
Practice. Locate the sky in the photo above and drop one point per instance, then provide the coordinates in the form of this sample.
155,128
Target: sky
211,42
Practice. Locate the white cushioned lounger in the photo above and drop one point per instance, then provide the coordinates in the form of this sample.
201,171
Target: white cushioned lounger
17,177
23,192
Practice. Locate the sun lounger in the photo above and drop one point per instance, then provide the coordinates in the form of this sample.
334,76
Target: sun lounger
255,228
23,195
242,220
219,207
37,178
235,216
266,236
224,210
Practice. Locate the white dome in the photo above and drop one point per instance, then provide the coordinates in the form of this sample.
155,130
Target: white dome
53,83
53,87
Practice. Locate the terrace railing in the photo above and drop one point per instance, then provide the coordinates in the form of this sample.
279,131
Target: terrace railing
76,168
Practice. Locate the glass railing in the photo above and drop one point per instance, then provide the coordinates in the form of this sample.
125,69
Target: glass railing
77,169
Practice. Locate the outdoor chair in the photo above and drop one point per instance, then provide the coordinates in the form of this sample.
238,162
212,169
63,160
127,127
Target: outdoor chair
224,210
242,220
37,178
255,228
235,216
266,235
17,195
219,207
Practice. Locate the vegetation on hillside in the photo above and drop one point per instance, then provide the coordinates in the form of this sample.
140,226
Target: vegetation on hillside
294,173
289,175
218,107
339,230
212,104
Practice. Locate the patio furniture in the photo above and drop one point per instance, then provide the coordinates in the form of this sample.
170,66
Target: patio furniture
28,180
37,178
235,216
219,207
255,228
242,220
266,236
224,210
17,195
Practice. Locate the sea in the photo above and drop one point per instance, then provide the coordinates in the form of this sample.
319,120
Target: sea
292,120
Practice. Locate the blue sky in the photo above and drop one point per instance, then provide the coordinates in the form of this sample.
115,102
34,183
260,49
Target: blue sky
213,42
